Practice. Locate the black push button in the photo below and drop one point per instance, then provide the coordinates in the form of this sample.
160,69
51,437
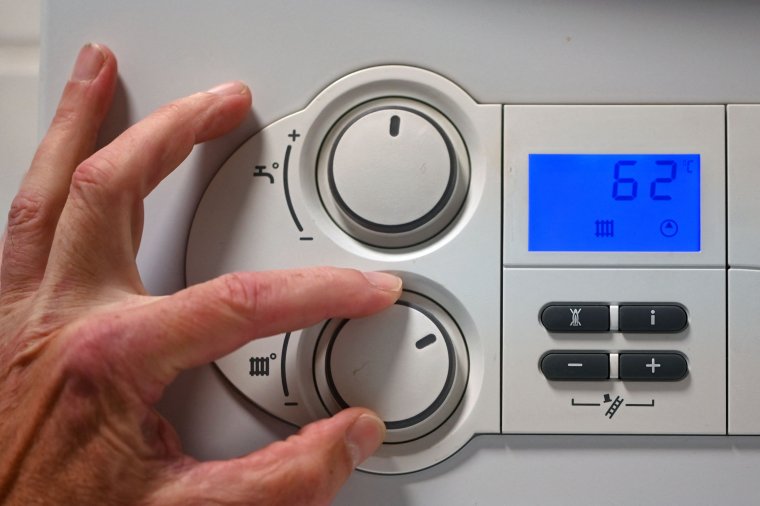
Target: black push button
652,366
576,318
661,318
576,366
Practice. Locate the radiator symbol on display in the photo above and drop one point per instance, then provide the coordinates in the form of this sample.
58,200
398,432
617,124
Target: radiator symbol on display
605,228
260,365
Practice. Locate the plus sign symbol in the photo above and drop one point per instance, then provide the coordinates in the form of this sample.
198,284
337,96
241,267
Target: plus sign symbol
294,135
653,365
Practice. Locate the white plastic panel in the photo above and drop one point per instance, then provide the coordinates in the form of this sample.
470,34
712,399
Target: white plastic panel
743,278
743,185
694,405
743,351
263,210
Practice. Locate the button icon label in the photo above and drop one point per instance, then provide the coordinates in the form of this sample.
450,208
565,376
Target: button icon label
652,366
596,318
614,406
576,317
652,318
575,366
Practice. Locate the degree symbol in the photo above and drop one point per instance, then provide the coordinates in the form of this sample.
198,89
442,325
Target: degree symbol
273,356
275,165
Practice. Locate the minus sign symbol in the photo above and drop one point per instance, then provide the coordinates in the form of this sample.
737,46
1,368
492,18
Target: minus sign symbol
575,364
291,404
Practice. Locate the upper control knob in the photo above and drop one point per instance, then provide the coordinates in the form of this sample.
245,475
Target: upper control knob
408,364
393,173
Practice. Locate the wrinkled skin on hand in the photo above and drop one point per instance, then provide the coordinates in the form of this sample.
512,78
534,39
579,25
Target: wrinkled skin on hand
85,352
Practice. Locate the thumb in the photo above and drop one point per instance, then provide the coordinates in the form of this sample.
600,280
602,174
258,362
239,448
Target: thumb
306,469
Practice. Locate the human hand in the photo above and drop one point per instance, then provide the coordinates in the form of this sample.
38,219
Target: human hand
85,353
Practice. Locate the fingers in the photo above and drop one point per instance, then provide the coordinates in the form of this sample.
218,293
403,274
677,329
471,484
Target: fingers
207,321
70,139
100,224
147,152
306,469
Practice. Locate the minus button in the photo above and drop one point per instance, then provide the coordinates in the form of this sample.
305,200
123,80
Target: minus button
576,366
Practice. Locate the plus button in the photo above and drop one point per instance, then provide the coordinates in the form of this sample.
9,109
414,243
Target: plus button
294,135
652,366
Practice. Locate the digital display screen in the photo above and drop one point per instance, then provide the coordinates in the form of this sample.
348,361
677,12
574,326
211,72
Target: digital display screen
614,202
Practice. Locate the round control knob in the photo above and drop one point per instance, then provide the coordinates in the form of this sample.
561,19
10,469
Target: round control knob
408,364
393,173
399,155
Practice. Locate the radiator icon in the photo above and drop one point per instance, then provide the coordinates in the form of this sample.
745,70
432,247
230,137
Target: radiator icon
605,228
259,366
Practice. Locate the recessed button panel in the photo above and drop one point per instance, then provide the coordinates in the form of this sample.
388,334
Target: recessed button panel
576,366
651,318
576,318
652,366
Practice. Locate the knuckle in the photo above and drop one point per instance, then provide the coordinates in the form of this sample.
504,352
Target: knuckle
181,119
91,175
171,111
28,210
91,350
241,292
86,343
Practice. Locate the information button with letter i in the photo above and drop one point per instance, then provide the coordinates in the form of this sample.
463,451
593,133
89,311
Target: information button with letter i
652,318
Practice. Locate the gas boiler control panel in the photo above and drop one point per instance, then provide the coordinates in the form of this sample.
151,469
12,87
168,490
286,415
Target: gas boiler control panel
566,267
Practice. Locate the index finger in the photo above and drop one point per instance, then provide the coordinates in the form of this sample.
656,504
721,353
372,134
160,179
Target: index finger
207,321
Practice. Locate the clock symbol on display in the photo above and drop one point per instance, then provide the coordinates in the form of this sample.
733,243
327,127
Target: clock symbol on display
669,228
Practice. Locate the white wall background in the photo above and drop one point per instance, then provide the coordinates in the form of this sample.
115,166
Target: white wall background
19,74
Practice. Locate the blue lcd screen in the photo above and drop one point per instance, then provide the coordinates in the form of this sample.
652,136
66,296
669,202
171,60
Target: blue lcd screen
614,202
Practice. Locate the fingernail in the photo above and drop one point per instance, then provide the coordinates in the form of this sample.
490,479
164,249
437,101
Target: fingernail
89,62
364,437
230,88
383,281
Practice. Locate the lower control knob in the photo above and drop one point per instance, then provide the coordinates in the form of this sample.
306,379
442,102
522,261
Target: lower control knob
408,364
